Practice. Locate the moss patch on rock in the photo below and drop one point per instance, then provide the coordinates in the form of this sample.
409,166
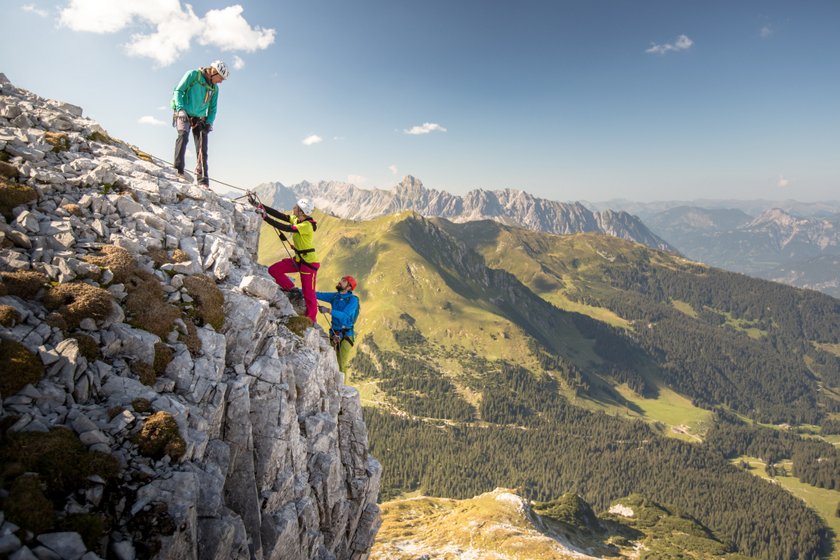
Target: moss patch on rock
116,259
145,372
209,300
58,140
9,316
72,208
13,195
25,284
88,347
27,506
160,436
141,405
179,256
20,367
163,355
91,527
76,301
147,307
159,256
59,458
299,324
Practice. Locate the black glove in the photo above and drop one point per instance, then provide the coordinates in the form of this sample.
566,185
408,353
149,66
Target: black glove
323,309
208,127
252,199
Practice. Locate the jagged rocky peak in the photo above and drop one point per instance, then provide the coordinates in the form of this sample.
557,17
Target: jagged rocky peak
508,206
166,400
410,187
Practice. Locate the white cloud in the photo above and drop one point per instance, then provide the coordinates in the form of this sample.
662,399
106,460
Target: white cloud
356,179
238,63
783,182
425,128
766,31
33,9
148,119
312,139
681,44
393,169
173,27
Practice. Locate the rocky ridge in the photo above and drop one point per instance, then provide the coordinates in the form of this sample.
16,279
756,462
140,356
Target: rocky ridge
508,206
265,450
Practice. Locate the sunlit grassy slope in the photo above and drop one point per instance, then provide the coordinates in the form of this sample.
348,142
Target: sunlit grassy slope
457,312
500,525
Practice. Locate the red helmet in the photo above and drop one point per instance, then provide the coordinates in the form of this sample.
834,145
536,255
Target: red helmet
350,280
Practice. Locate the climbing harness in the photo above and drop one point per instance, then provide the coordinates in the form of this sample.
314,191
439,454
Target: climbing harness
254,200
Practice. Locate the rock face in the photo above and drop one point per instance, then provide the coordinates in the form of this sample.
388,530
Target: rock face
271,460
508,206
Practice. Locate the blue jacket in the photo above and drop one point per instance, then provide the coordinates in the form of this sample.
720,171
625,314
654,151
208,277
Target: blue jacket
345,310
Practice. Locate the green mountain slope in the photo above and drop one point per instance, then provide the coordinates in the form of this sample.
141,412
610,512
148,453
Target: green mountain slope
500,524
491,354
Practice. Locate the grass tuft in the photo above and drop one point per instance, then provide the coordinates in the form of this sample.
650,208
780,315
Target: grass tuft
20,367
9,316
13,195
76,301
159,436
209,300
24,284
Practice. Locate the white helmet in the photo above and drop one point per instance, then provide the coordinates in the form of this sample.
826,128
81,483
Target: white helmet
305,206
221,68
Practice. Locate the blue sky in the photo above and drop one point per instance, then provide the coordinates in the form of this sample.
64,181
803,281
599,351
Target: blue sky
569,100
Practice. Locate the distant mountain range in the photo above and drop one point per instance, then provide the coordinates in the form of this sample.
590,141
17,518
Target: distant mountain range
751,207
776,245
508,206
797,243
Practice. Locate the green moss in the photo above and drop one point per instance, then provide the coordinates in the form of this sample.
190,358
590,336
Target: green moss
159,436
20,367
27,506
13,195
24,284
141,405
298,325
76,301
9,316
209,300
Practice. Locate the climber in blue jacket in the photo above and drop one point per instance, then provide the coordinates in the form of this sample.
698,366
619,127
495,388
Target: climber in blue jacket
344,312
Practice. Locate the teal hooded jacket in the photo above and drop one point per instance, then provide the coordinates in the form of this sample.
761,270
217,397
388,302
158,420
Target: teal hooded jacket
196,95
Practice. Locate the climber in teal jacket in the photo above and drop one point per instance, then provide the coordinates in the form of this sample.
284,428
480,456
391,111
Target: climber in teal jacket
194,103
344,312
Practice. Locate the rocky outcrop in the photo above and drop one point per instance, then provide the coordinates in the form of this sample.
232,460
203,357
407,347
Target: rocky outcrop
508,206
104,273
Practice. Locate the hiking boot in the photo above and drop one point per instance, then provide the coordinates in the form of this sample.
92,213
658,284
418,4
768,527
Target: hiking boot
293,293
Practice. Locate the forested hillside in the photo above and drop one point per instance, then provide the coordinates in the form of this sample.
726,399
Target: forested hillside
488,354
